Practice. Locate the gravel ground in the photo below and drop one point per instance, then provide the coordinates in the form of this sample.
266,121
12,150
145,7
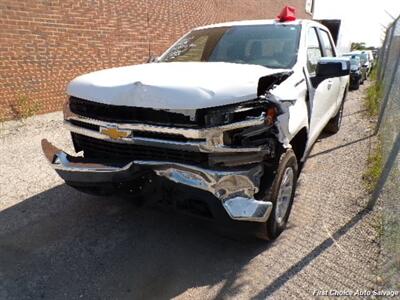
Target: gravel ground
57,243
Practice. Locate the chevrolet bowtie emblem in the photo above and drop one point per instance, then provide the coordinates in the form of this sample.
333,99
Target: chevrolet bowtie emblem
114,133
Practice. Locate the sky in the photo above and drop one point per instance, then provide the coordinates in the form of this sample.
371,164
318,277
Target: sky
362,19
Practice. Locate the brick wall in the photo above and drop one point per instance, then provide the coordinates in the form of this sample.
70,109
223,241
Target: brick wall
46,43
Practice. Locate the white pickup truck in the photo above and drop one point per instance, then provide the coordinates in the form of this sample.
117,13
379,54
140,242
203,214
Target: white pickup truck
218,125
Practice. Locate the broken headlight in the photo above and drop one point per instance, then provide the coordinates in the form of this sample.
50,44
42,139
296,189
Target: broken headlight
231,113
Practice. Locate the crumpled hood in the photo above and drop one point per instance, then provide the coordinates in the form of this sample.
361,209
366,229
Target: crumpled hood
174,85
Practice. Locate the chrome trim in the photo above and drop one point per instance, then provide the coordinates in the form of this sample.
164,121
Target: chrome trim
213,136
234,188
62,162
244,209
186,132
189,146
222,184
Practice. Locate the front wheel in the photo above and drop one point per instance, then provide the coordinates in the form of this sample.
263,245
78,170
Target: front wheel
281,195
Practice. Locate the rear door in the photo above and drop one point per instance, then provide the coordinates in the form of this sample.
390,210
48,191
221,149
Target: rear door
321,98
328,50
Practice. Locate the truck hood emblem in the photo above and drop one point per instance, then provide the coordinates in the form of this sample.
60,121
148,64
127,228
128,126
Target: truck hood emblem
115,133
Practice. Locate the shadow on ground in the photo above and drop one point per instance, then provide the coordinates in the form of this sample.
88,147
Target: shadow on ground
339,146
65,244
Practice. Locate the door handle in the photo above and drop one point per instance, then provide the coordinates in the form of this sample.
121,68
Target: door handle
330,82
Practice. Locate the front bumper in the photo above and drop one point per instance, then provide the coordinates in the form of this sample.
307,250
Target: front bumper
234,188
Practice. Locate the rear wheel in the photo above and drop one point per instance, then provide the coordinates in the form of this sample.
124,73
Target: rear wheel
281,195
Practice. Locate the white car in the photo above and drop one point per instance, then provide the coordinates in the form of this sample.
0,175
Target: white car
218,125
370,58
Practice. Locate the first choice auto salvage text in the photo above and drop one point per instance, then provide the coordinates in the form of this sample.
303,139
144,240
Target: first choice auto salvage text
359,293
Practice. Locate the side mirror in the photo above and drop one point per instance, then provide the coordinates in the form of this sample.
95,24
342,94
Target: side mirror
329,67
152,58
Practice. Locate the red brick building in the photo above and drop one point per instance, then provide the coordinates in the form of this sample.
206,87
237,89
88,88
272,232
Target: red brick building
46,43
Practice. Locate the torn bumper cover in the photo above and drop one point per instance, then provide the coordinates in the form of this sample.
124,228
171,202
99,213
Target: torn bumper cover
235,188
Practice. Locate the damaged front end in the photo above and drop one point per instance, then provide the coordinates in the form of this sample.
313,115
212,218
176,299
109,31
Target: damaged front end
227,151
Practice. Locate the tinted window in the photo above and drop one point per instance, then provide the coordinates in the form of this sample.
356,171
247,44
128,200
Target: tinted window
327,43
354,60
313,50
195,51
274,46
364,57
358,56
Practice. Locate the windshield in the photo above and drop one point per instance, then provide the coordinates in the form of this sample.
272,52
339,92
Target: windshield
273,45
364,57
354,60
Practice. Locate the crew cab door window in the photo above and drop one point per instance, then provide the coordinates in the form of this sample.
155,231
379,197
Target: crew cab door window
327,44
314,52
336,84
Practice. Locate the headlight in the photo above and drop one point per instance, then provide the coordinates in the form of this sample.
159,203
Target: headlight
231,113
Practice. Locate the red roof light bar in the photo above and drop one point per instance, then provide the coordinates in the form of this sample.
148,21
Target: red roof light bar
287,14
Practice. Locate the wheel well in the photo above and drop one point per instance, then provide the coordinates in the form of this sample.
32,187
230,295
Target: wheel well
299,142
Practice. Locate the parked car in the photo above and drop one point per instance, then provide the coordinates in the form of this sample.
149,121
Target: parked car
375,53
365,66
365,61
228,114
371,58
357,73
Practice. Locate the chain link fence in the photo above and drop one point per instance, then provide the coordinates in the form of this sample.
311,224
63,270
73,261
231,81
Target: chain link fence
388,187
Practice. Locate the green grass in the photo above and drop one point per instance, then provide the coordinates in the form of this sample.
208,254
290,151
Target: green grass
374,73
373,98
25,108
374,94
374,167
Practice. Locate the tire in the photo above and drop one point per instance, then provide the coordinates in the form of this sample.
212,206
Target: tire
334,124
286,176
356,86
